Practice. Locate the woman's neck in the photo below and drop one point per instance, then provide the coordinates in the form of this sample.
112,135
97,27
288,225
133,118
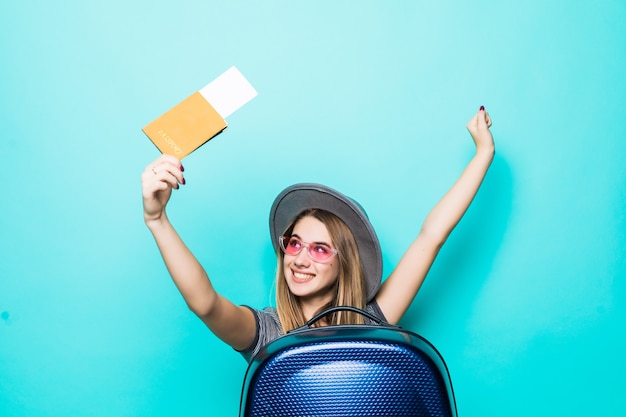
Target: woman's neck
311,307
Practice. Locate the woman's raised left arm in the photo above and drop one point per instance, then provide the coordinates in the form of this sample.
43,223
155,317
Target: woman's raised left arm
400,288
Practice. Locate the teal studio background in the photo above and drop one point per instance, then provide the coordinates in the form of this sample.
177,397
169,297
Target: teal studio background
526,301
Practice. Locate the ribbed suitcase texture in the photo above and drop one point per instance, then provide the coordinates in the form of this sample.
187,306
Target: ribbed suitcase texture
348,371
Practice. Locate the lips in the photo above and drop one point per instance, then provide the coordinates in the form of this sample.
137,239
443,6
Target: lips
301,277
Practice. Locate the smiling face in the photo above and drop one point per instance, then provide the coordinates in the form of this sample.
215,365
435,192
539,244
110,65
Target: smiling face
314,283
305,287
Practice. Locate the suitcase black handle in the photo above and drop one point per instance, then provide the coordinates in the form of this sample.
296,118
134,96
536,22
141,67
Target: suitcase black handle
331,310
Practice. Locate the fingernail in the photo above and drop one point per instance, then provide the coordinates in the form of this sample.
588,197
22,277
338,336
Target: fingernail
183,182
182,168
482,108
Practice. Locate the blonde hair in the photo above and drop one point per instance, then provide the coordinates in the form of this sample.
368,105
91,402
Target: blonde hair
350,285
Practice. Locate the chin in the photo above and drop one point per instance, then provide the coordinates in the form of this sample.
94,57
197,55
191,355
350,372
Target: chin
298,289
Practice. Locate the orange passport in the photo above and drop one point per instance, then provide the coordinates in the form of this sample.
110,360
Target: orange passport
201,116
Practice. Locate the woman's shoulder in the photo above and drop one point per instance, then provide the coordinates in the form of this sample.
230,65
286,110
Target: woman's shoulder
271,311
373,308
268,328
267,320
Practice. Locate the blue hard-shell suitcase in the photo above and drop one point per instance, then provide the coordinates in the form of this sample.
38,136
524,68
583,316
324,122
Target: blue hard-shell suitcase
348,370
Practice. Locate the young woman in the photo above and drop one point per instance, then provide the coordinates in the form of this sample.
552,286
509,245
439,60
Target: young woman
328,253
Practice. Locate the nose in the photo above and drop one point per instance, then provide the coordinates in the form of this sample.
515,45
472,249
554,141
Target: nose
302,258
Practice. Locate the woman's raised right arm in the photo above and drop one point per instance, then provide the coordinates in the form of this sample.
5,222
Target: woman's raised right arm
235,325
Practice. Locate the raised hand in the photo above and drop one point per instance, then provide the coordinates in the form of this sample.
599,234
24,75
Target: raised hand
157,181
478,127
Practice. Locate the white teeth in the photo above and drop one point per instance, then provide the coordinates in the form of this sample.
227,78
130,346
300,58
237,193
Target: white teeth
300,275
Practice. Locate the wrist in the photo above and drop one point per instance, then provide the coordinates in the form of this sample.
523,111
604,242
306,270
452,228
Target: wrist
486,150
154,222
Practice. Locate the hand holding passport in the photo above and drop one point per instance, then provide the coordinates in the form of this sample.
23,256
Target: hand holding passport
201,116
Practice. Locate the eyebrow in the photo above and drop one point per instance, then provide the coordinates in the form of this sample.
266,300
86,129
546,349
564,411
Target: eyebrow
317,243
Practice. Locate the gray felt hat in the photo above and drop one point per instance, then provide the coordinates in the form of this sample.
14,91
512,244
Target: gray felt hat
296,198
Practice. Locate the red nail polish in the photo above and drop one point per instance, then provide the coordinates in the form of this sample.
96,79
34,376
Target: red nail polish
482,108
182,168
183,182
